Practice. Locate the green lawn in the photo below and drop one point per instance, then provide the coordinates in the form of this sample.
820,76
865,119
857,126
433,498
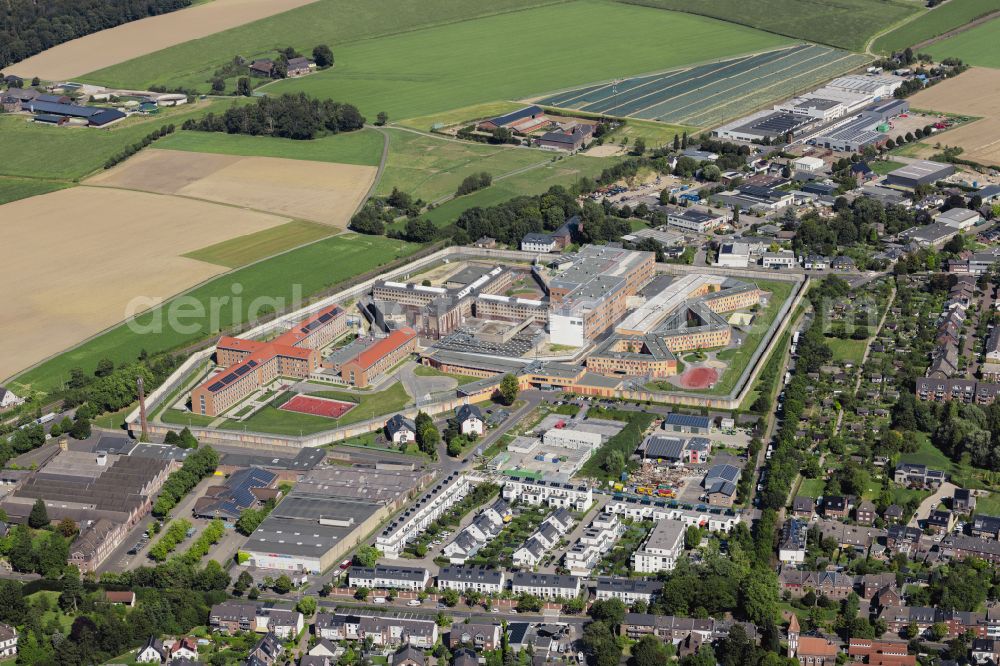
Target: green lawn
845,24
927,454
846,350
427,371
882,167
12,189
76,152
332,22
988,505
430,167
811,488
780,291
563,171
65,621
977,46
243,250
520,55
364,147
941,19
305,271
911,149
273,420
652,132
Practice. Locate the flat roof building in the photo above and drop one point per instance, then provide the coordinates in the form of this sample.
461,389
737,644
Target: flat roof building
919,172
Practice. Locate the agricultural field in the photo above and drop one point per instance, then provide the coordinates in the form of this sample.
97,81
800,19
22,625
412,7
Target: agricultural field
278,281
976,46
81,150
973,93
317,191
463,115
363,147
431,167
711,93
12,189
72,276
416,73
244,250
943,18
333,22
845,24
130,40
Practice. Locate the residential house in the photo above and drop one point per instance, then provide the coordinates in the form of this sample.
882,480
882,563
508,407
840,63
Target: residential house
184,648
285,624
547,586
940,521
231,617
386,577
300,67
541,243
803,507
914,475
408,656
400,430
470,420
266,652
963,501
865,513
477,635
152,652
629,590
661,549
832,584
485,580
792,547
387,630
836,506
985,527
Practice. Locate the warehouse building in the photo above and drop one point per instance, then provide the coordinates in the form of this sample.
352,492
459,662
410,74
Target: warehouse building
690,219
920,172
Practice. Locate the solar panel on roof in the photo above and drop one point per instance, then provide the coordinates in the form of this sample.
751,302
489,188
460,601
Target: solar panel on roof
242,370
216,386
229,378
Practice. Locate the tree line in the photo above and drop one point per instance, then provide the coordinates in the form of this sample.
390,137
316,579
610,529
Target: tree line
28,27
287,116
129,151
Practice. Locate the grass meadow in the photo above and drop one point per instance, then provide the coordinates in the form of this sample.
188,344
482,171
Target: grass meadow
417,73
432,167
12,189
363,147
946,16
313,268
563,171
331,22
846,24
36,150
244,250
977,46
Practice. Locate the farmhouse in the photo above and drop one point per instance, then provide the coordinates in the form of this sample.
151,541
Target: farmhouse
93,116
524,121
300,67
570,140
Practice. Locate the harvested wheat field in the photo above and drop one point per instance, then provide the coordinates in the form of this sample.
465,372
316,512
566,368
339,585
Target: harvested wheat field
75,259
317,191
974,93
131,40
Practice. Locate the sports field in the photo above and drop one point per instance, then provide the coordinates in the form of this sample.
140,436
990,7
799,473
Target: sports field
973,93
976,46
274,419
281,279
709,94
325,407
937,21
318,191
519,55
363,147
74,260
846,24
124,42
333,22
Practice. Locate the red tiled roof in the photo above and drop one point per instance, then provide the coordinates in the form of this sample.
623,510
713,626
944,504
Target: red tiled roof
816,647
384,347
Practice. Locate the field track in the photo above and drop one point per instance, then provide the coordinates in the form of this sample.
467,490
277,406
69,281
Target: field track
131,40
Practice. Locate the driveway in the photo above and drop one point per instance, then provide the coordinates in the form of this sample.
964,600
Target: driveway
422,389
947,489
